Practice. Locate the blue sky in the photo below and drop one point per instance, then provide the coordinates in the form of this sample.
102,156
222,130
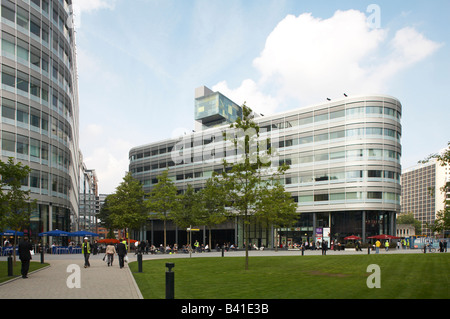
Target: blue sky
140,61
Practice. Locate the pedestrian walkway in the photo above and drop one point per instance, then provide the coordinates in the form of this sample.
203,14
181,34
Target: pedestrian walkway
103,282
96,282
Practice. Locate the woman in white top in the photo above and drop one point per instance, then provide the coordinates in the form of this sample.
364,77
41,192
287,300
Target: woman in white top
110,251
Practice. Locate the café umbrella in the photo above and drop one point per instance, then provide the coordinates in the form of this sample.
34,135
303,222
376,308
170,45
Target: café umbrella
352,237
56,233
12,233
84,233
383,236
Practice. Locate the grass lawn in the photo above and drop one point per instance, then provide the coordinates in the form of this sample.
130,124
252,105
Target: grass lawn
408,276
16,269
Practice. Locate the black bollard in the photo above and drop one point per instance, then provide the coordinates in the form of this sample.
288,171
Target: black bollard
368,250
223,250
303,251
424,249
42,255
10,266
170,281
139,259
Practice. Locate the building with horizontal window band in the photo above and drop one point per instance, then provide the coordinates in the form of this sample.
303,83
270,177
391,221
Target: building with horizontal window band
344,174
423,193
39,107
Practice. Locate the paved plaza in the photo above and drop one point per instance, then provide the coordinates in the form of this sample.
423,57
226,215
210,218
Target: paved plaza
102,282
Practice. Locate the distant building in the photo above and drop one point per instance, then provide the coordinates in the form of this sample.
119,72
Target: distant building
404,230
421,191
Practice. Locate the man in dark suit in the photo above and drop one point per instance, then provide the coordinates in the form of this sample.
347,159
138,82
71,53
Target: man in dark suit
25,256
121,251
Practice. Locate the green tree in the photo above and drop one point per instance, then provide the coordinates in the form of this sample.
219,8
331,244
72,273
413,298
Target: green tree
126,206
276,207
163,200
243,180
104,215
187,212
15,202
213,201
408,219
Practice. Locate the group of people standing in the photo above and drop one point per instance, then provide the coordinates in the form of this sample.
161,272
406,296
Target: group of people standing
120,249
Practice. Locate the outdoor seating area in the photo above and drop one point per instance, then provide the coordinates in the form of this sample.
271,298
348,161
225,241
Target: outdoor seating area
7,248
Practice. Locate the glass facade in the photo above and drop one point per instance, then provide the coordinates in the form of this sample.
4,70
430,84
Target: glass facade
39,110
216,109
344,159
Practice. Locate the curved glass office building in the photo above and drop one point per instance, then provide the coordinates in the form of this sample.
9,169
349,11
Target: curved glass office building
344,174
39,111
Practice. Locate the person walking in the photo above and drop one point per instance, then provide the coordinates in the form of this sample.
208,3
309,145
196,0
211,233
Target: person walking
25,256
121,252
110,251
324,247
86,252
386,245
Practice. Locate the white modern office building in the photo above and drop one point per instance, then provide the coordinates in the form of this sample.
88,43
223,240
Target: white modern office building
344,158
39,113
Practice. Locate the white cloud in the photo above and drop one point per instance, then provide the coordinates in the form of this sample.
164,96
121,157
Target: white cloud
249,93
110,159
308,59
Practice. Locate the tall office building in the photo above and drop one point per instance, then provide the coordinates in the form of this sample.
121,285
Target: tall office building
344,159
422,192
39,112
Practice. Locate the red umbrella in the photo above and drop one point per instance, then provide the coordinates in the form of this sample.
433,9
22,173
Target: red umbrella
108,241
352,237
382,236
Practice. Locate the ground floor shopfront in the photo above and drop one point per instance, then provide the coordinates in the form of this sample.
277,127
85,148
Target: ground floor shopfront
311,227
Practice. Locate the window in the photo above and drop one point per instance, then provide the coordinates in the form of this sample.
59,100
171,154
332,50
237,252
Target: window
22,50
374,110
44,122
35,28
35,88
321,117
22,113
8,45
305,140
35,148
35,179
8,142
44,151
8,76
353,195
35,119
375,152
22,145
8,109
374,195
338,134
22,81
374,131
354,174
337,196
22,18
320,197
8,14
337,114
320,137
374,174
